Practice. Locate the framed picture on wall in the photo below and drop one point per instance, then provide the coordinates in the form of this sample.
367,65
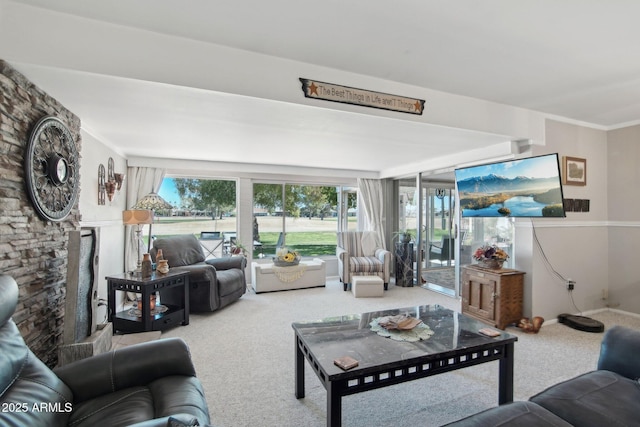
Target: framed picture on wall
574,171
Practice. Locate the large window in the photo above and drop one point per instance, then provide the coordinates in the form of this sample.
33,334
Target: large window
199,206
347,209
302,217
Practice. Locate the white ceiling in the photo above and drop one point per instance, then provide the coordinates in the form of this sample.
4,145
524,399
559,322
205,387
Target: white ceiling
567,58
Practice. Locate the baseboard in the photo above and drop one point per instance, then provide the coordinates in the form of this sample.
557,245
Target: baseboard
591,312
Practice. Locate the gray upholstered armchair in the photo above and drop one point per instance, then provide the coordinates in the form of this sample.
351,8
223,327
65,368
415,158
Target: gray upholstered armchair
213,284
358,256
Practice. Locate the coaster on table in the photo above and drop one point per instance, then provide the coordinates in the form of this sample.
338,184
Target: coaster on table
346,362
489,332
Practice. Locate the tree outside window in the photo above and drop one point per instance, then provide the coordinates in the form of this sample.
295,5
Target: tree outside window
303,217
200,205
307,224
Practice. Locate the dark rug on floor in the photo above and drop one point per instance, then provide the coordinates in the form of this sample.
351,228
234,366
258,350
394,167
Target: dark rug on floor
444,277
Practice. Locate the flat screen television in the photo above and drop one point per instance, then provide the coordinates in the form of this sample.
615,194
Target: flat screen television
528,187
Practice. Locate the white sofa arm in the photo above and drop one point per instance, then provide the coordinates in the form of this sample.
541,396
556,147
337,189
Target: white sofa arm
385,256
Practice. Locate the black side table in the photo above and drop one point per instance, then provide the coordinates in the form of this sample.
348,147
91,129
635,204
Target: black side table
404,264
144,320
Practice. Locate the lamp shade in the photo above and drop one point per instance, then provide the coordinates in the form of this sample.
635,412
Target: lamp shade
152,201
137,216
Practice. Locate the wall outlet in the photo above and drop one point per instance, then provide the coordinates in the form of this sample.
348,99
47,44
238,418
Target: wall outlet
605,294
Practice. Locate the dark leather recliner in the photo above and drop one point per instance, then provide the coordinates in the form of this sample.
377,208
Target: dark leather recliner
144,383
213,284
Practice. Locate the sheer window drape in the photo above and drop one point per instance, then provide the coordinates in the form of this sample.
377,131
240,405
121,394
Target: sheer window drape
371,199
140,182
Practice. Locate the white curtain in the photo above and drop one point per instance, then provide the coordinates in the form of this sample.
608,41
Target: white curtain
140,182
371,202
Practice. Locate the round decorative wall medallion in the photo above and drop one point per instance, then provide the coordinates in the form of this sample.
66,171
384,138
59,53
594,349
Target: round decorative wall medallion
52,169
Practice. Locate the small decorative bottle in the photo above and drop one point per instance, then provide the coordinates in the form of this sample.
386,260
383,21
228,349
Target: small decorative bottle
159,256
162,266
146,266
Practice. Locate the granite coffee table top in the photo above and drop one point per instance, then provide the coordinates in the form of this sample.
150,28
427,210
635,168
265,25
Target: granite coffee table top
454,335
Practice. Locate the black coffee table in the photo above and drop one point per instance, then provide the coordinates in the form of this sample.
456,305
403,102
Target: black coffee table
456,344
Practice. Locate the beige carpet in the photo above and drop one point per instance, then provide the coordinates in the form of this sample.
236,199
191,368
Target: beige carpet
244,355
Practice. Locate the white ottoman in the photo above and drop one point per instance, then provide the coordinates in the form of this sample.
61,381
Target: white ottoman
367,286
265,279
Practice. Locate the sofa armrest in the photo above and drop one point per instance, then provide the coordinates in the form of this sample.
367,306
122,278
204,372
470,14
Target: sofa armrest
177,420
199,273
227,263
381,254
136,365
618,346
385,256
342,254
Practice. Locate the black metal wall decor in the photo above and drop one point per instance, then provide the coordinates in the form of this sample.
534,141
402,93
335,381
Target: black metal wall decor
110,183
102,187
52,169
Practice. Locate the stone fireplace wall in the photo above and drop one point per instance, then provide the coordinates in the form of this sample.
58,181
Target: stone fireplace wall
32,250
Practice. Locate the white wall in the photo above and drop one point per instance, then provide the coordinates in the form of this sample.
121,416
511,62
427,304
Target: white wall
624,229
107,218
576,246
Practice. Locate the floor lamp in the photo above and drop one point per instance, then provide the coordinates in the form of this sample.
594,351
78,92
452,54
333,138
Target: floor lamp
138,217
153,202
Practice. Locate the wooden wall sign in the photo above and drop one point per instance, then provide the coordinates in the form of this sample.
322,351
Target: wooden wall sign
362,97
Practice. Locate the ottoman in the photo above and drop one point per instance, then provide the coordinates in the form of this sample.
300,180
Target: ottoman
367,286
264,277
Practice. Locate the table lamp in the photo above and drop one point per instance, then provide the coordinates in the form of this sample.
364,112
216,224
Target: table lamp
153,202
138,217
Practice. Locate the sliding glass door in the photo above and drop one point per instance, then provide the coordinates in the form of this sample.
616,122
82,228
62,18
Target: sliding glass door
442,243
438,239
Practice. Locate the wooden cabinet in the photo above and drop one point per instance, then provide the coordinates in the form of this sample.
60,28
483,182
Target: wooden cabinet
493,296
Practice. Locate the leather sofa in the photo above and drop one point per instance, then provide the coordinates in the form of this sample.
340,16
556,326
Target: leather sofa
608,396
142,385
213,283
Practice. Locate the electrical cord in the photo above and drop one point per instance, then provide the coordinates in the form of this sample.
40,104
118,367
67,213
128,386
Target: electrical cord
573,303
544,256
550,267
103,303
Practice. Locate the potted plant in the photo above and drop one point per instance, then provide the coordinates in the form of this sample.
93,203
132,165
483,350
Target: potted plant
490,256
405,236
238,249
